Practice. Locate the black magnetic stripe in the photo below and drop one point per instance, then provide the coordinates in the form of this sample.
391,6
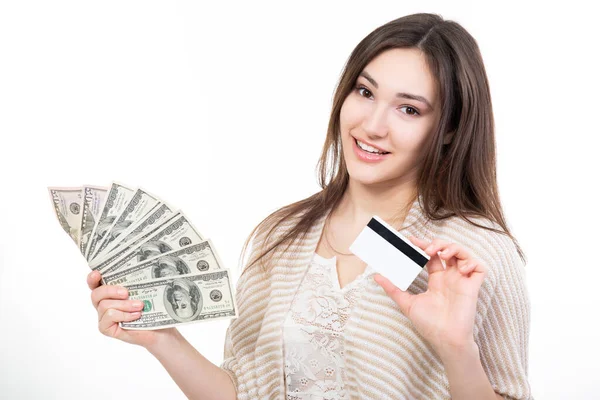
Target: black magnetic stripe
398,243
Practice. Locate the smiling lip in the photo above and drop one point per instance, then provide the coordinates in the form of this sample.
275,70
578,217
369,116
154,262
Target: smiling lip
365,155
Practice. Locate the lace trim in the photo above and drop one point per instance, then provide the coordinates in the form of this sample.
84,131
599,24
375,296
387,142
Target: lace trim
313,332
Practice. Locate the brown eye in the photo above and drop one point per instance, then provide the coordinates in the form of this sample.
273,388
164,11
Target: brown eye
364,92
410,110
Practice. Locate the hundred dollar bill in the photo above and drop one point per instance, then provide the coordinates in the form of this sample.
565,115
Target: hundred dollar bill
151,224
116,200
93,198
158,215
67,206
140,204
175,234
191,259
184,299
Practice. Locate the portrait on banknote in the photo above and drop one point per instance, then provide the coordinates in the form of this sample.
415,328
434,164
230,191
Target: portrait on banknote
169,266
183,300
104,226
152,249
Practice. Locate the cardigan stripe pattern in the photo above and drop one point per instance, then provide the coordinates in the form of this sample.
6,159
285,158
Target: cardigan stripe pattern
386,358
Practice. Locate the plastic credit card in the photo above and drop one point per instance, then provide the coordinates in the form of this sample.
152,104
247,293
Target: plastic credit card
390,253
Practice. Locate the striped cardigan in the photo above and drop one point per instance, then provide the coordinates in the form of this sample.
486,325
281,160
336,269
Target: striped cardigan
385,356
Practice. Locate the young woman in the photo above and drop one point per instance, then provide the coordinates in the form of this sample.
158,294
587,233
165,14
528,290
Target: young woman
410,139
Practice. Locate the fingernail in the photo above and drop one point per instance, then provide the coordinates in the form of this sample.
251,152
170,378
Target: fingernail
122,292
136,314
138,304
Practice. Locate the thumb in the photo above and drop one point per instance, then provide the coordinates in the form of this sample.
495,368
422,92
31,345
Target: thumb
404,299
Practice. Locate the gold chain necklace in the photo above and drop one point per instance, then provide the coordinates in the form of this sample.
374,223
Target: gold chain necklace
327,239
327,224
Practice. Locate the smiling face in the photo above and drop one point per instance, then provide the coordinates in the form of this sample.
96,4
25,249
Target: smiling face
387,117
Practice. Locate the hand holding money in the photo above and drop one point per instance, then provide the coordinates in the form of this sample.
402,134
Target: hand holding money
130,237
114,307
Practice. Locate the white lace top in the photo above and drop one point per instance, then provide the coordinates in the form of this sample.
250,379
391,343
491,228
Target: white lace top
314,332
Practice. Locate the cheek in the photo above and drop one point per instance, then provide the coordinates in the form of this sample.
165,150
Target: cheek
409,136
350,114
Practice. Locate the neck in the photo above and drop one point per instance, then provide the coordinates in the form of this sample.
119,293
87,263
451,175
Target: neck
390,202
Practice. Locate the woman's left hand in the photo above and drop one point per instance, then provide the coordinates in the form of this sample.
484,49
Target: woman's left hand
445,314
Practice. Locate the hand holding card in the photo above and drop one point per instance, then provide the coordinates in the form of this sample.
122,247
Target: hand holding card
445,313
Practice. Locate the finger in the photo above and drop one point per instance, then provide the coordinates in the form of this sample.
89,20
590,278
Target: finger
463,263
112,317
455,250
403,299
435,263
420,243
93,279
108,292
435,246
121,305
473,266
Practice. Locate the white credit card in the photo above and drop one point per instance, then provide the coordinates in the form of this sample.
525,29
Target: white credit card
390,253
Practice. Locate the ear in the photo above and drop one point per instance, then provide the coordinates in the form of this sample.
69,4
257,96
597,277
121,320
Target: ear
448,137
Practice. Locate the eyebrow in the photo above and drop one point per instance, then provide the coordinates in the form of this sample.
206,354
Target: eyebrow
401,94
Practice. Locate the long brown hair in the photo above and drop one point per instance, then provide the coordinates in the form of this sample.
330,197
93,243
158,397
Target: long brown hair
456,179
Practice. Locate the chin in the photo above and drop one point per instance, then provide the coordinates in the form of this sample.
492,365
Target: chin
366,177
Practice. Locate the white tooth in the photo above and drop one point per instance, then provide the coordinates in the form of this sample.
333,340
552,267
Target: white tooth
368,148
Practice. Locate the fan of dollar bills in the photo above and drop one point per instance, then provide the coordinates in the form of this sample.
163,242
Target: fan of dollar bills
136,240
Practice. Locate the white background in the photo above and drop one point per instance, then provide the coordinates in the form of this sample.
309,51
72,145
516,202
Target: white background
222,110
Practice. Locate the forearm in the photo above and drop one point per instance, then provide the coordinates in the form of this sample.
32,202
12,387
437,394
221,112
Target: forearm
197,377
466,375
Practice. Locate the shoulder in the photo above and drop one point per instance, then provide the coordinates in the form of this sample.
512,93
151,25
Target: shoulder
274,236
274,227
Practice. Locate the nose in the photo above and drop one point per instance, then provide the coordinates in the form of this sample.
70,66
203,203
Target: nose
375,122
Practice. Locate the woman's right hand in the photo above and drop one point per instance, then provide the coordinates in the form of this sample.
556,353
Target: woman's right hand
113,306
